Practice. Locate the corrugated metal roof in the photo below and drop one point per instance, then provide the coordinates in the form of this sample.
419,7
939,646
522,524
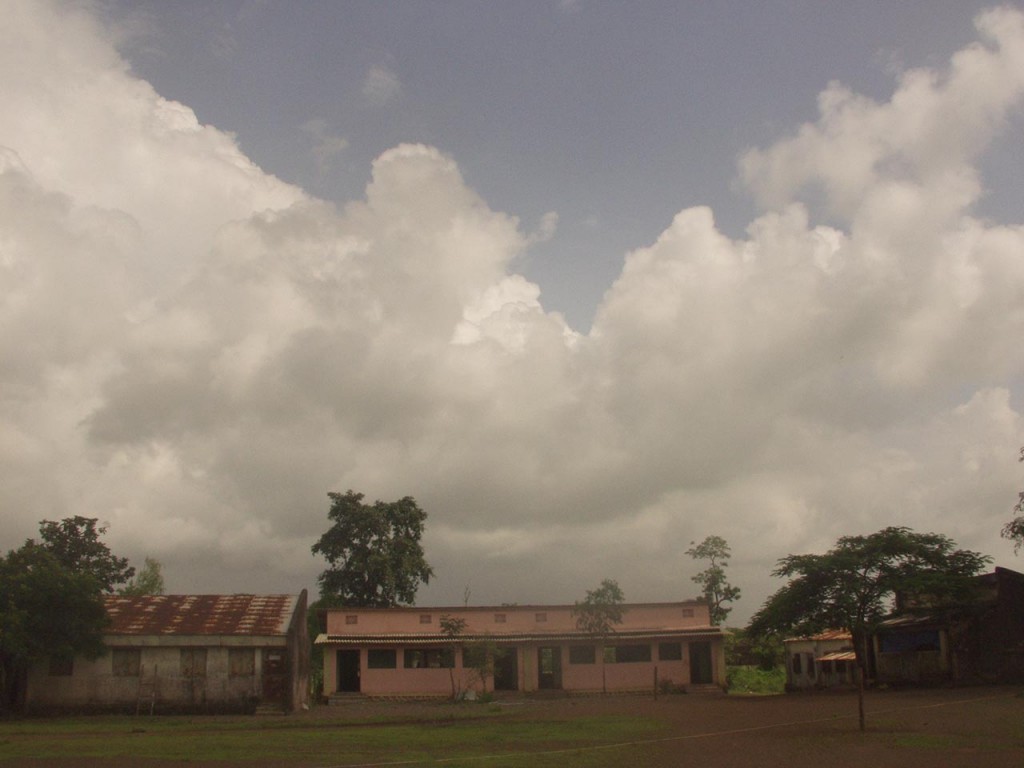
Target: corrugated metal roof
837,656
912,620
200,614
509,638
828,634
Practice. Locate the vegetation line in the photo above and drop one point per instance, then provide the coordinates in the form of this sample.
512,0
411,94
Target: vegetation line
665,739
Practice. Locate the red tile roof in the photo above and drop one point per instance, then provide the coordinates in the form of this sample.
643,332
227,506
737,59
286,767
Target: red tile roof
200,614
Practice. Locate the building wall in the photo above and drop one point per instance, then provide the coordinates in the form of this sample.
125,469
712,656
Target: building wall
988,645
912,655
804,672
560,618
298,657
498,623
577,677
164,665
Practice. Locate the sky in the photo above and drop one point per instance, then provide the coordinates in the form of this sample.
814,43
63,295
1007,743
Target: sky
589,280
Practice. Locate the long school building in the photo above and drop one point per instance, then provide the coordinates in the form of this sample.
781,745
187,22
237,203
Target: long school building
431,651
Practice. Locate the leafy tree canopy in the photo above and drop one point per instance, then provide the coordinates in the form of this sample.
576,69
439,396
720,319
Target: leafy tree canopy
1014,530
76,545
373,551
601,610
149,580
46,610
852,586
716,589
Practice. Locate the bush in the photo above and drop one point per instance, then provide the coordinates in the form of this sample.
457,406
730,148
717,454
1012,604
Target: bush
752,679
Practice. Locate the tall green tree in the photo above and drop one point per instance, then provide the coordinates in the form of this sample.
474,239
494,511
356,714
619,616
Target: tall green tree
1014,530
373,552
598,614
47,610
714,586
75,543
148,580
854,584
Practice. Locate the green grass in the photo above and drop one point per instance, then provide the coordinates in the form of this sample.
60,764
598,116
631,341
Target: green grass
311,742
754,680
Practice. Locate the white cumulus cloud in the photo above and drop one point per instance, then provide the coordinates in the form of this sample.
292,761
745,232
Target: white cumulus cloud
197,352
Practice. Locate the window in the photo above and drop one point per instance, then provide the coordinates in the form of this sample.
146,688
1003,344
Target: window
670,651
797,668
429,658
126,662
904,642
628,654
193,662
351,619
241,662
540,618
687,613
381,658
826,668
582,654
499,618
810,665
425,618
62,666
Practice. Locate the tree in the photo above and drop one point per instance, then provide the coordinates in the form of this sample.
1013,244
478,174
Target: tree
147,581
854,584
598,614
480,655
47,611
1014,530
374,552
75,543
742,649
716,590
452,627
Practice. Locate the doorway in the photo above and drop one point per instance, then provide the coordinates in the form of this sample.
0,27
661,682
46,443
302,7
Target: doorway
549,668
348,671
275,675
701,672
506,669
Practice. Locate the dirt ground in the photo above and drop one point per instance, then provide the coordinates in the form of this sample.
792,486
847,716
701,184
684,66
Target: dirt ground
973,728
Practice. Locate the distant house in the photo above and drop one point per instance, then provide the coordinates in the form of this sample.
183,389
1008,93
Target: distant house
980,641
824,660
186,653
404,651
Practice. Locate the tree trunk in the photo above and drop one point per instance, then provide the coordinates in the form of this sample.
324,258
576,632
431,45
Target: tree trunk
862,667
860,696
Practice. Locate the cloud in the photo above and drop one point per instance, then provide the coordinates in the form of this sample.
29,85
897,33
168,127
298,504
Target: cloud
326,145
381,84
863,155
197,353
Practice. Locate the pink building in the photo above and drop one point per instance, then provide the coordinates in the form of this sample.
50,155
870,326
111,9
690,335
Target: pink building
405,651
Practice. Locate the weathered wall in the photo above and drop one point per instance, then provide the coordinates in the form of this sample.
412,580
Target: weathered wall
93,683
298,656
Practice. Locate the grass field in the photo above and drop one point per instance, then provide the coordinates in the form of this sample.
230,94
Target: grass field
302,741
979,727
